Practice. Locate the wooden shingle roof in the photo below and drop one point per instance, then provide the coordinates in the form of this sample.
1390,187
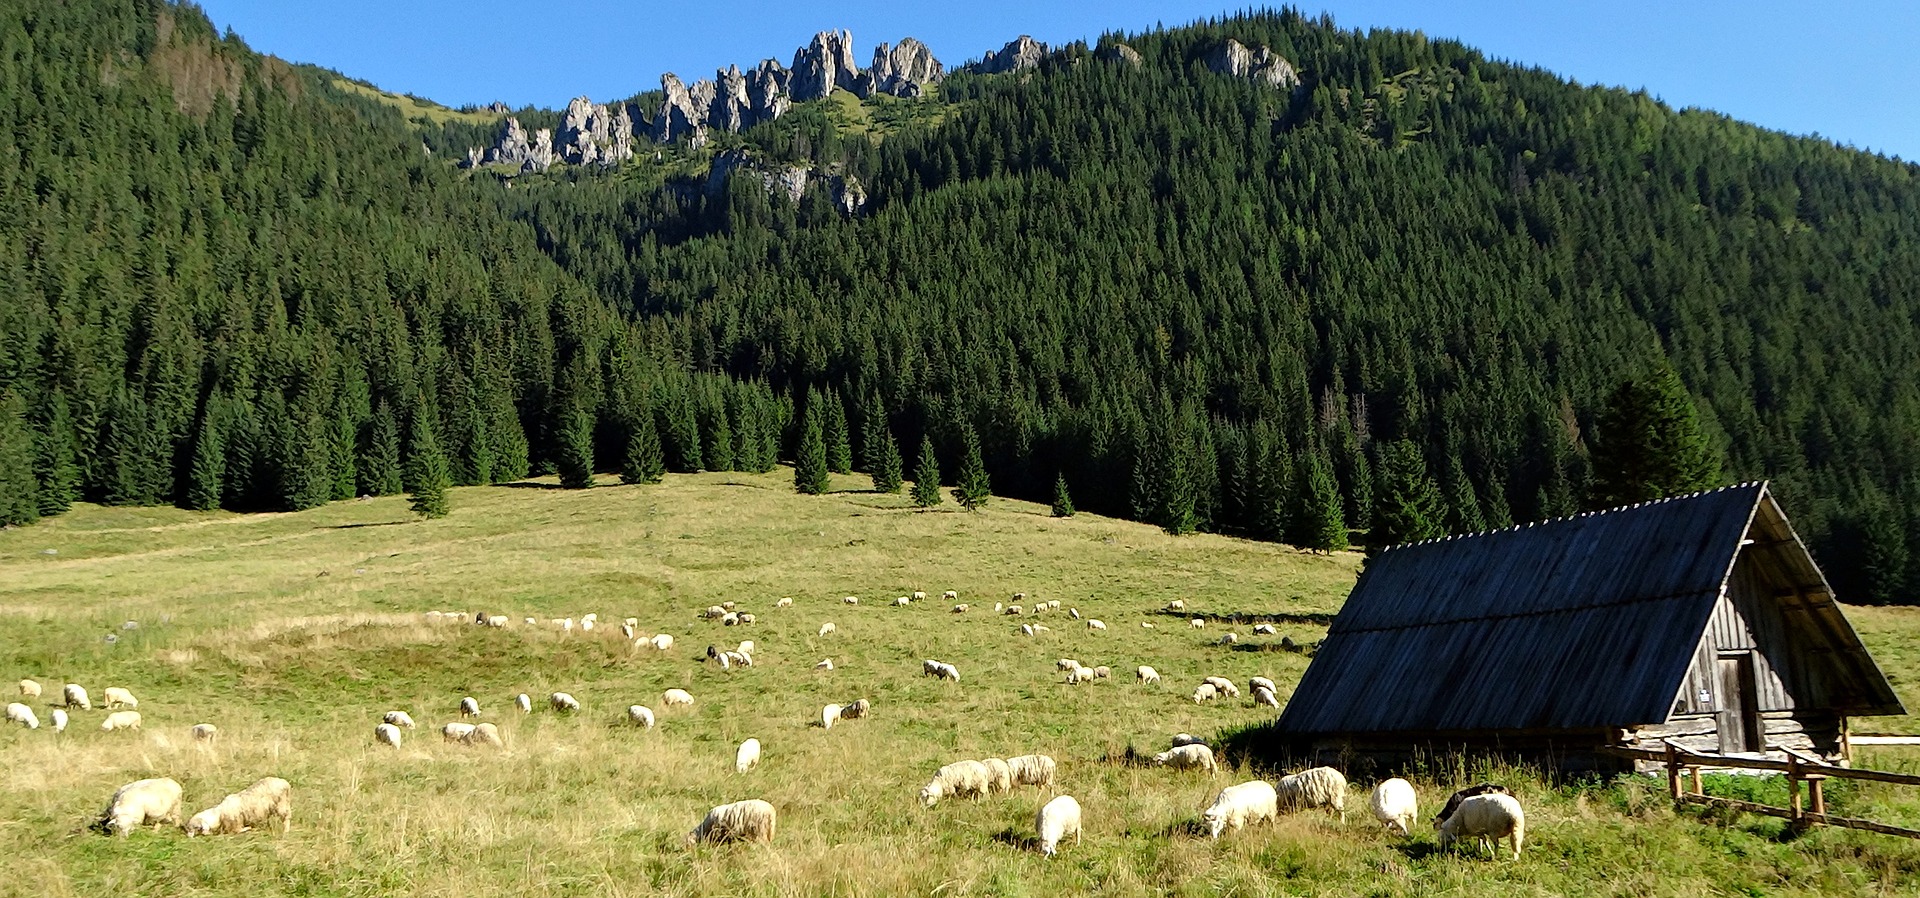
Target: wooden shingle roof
1580,623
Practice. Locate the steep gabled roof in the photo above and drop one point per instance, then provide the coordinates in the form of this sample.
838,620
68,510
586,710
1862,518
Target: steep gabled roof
1579,623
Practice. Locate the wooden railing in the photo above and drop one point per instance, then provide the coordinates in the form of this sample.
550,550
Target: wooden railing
1801,770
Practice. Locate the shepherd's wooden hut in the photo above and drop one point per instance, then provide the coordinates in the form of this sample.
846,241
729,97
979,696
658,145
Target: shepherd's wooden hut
1699,618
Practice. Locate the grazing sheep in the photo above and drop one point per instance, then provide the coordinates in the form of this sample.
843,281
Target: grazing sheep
455,732
745,647
748,756
1261,683
1453,801
1146,674
1080,675
1487,818
399,719
714,611
1394,804
737,659
586,626
1229,639
139,803
1187,757
22,715
524,702
851,600
1145,626
1198,623
75,696
1180,739
948,672
1204,692
730,618
958,609
825,664
640,716
1039,628
1014,610
29,689
1057,820
674,697
1026,629
469,707
826,628
997,607
563,702
1224,685
752,820
950,595
1265,696
1264,630
1177,605
626,631
919,596
1066,664
1103,672
1075,614
1239,805
999,775
956,780
785,602
856,710
483,734
530,621
1032,770
747,618
1096,624
269,798
497,620
728,606
1019,596
902,602
1319,787
828,715
59,720
204,732
662,642
387,734
120,720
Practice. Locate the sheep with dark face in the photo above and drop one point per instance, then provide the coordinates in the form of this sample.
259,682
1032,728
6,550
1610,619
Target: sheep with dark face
139,803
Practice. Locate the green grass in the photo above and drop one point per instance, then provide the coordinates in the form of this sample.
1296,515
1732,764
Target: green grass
293,632
414,108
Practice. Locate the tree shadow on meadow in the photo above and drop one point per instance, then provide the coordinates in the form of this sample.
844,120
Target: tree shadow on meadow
1017,840
364,524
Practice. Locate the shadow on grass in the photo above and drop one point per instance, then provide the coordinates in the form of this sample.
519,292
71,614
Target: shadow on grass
528,485
1017,840
1190,828
1305,618
1129,758
1417,851
368,524
1286,645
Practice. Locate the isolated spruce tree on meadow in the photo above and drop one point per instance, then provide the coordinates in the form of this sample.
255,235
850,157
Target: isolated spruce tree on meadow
1062,503
810,462
428,474
970,487
926,476
884,457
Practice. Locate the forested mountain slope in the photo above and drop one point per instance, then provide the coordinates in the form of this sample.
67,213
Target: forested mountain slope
1208,302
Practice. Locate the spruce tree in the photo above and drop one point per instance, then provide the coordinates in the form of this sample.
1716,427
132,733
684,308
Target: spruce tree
341,451
1407,506
306,465
970,487
884,458
56,463
19,488
427,471
1650,445
1318,521
644,462
1062,503
926,476
1463,507
207,472
810,462
574,455
379,468
839,452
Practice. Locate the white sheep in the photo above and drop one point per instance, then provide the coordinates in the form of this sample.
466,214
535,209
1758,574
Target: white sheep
1265,696
120,720
640,716
1032,770
957,780
1103,672
483,734
747,757
29,689
729,606
1240,805
1319,787
497,620
997,607
737,659
1261,682
674,697
999,775
1204,692
959,609
1146,674
469,707
1066,664
1071,612
1224,685
1229,638
1145,625
75,696
1026,629
204,732
455,732
524,702
1264,630
950,595
626,631
730,619
856,710
530,621
22,715
1453,801
745,647
785,602
563,702
1053,605
752,820
714,611
59,720
1187,757
902,602
1487,818
851,600
1015,610
1395,804
269,798
662,642
139,803
399,719
919,596
1057,820
1177,605
1019,596
1080,675
948,672
1180,739
828,715
387,734
826,628
1096,624
1198,623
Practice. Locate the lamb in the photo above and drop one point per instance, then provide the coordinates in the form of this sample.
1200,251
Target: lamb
1242,804
1187,757
1204,692
22,715
204,732
399,719
828,715
29,689
1146,674
747,757
139,803
387,734
1265,696
959,779
1057,820
1096,624
1032,770
1319,787
674,697
1180,739
662,642
825,664
640,716
524,702
1394,804
469,707
826,628
563,702
483,734
752,820
1453,801
856,710
959,609
59,720
999,775
785,602
269,798
75,696
1487,818
455,732
120,720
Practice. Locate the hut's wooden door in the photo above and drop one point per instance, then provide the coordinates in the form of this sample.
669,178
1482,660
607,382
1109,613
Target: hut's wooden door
1739,722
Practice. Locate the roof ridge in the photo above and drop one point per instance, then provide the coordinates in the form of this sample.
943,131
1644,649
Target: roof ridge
1595,512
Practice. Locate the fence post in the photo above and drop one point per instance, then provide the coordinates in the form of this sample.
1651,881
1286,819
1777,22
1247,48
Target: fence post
1817,797
1793,787
1673,772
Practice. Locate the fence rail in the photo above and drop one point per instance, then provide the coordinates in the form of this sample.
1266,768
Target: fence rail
1801,770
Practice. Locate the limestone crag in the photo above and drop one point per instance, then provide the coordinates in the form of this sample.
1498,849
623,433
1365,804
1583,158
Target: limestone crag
1019,54
512,147
789,181
767,92
823,65
591,134
1120,53
683,111
1261,65
540,157
904,69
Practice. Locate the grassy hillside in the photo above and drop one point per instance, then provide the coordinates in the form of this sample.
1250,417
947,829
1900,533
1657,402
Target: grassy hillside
293,632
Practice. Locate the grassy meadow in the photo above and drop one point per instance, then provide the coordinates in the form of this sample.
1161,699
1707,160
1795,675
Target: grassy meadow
294,632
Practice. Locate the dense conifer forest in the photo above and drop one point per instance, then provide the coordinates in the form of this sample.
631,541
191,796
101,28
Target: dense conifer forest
1403,300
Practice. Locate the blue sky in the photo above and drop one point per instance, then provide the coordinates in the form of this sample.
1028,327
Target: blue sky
1848,71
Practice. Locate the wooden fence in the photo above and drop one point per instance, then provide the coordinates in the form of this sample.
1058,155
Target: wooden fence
1804,774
